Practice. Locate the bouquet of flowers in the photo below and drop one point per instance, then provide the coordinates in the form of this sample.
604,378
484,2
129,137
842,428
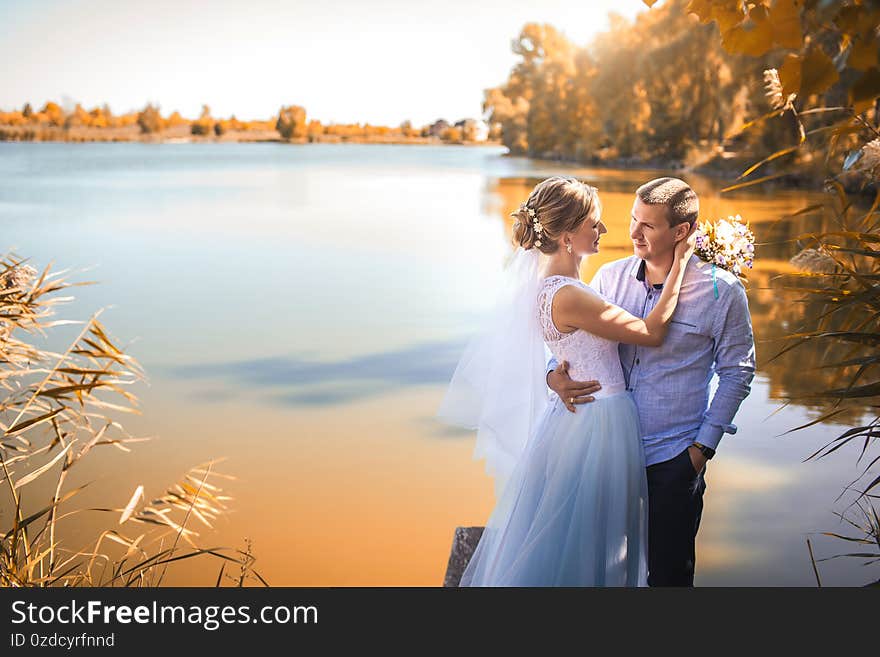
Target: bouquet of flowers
726,243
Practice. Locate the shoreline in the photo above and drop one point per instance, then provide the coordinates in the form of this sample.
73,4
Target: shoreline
795,181
59,135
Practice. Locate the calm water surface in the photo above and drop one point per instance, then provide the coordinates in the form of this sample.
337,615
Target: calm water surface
299,310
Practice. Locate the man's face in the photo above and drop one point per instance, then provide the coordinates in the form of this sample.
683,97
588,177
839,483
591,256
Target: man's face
652,236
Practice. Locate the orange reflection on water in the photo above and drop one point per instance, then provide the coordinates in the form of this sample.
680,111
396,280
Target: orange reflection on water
365,497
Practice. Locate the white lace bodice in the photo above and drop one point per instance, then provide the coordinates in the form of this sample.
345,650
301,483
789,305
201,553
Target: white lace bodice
589,356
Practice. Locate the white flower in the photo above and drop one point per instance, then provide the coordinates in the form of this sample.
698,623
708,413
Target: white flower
725,232
539,228
727,242
537,242
531,212
773,88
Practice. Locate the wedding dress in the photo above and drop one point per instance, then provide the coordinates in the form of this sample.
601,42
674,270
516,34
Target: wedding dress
574,510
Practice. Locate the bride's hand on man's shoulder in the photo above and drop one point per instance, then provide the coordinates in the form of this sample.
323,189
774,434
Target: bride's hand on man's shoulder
685,247
571,392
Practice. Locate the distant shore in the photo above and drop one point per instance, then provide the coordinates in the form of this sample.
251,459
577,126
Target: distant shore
183,135
716,168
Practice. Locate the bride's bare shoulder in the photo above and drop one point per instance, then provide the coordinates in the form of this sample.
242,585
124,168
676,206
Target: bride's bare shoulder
578,296
575,290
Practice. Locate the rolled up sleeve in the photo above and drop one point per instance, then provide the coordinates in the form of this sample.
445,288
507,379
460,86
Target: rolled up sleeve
734,356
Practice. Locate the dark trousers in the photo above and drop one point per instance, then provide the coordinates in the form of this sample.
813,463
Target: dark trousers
675,503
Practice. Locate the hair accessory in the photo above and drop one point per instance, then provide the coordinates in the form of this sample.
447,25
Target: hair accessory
537,226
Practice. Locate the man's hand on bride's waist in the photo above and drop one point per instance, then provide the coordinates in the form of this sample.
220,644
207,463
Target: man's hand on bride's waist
571,392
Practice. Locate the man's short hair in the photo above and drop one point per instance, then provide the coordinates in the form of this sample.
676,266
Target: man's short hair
680,200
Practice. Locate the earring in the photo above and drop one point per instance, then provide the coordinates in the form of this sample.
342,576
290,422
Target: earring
568,247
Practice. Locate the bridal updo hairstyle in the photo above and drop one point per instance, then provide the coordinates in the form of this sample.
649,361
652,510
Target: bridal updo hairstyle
560,204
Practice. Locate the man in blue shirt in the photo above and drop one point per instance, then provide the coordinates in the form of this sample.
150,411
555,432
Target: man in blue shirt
710,332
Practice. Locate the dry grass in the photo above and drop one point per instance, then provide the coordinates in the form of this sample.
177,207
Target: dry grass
55,409
839,284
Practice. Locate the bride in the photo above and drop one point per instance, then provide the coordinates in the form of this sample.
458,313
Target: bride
571,491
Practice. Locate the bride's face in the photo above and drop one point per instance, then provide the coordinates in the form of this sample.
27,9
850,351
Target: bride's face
585,240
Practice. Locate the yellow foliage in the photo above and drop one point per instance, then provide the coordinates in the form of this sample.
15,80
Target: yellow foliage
291,123
452,135
754,36
818,73
175,119
12,118
53,113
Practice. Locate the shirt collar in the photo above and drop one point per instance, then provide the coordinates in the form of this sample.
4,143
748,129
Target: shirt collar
639,273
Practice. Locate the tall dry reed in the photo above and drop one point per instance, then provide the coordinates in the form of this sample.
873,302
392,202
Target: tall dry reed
55,409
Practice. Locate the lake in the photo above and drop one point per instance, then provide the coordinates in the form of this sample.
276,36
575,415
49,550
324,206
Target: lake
299,310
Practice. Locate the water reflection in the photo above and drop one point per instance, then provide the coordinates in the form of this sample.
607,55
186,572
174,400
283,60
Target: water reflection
331,381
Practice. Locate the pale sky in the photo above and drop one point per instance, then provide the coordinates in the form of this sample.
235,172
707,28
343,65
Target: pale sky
376,61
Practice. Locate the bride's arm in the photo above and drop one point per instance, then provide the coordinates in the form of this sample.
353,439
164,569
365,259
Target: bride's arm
574,308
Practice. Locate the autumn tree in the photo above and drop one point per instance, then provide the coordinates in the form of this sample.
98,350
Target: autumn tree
175,119
510,115
661,87
580,132
77,118
98,119
150,120
53,113
407,130
204,125
452,135
314,130
291,123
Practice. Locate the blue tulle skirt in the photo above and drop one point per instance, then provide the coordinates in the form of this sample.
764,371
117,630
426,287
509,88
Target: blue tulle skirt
575,509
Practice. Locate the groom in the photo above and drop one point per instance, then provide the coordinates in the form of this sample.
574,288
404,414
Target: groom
710,332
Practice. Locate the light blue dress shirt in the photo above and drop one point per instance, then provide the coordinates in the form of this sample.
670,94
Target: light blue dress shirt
710,333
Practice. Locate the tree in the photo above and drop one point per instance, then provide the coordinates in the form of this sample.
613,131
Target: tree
291,123
97,118
77,118
661,87
510,115
111,120
175,119
407,130
452,135
54,114
204,125
150,120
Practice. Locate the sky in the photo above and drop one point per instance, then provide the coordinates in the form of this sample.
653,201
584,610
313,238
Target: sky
345,61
